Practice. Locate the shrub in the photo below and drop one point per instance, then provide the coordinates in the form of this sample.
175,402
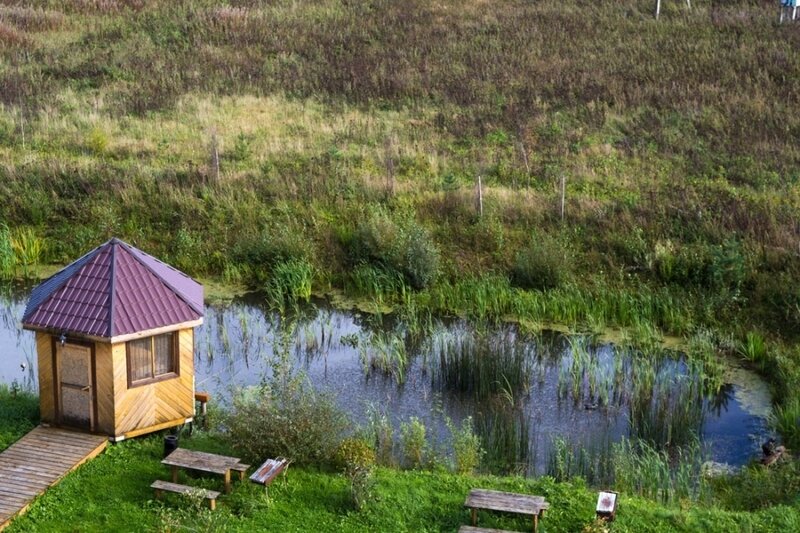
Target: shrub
467,449
414,442
543,264
381,433
357,460
97,142
355,453
361,484
272,246
403,246
286,419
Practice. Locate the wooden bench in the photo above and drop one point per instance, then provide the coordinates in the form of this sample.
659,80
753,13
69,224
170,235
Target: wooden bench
507,502
165,486
203,462
242,469
269,470
470,529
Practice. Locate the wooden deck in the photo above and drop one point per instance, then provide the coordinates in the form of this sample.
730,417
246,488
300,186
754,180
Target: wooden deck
38,461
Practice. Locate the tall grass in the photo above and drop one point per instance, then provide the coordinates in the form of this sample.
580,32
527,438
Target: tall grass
503,427
493,298
8,259
594,464
381,285
481,365
669,478
385,353
19,248
786,419
290,281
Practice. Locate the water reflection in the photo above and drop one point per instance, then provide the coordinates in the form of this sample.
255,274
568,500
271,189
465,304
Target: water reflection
521,390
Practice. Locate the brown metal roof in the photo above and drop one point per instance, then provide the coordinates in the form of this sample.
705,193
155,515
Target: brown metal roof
114,290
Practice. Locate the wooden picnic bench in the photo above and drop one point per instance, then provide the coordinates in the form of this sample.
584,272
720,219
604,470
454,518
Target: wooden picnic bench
162,486
508,502
204,462
269,470
470,529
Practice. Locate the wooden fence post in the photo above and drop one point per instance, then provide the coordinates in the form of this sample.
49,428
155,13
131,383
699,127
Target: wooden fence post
480,197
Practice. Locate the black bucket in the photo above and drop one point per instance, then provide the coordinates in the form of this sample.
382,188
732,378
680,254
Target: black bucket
170,444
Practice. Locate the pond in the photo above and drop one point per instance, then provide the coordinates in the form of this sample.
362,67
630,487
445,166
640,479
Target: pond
521,390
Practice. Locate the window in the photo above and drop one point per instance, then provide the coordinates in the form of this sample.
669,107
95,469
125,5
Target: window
152,358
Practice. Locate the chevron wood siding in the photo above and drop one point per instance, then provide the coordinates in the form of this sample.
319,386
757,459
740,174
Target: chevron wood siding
44,351
157,403
104,388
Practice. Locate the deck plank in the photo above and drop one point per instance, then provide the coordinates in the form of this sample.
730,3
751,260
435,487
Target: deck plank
38,461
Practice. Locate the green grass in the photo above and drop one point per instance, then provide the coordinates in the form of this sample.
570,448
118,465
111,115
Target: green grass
19,413
250,142
112,493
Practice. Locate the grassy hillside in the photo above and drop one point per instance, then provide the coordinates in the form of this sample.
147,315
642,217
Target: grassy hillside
229,138
336,146
112,492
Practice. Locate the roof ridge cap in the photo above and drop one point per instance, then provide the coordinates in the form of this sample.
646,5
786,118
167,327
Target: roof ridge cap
112,286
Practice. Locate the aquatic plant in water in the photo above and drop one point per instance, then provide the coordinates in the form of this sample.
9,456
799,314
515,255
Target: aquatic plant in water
481,365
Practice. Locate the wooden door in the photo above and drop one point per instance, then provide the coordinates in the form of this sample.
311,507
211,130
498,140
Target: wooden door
76,393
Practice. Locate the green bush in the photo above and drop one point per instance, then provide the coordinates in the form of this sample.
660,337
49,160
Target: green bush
278,244
355,453
467,449
543,264
403,246
290,419
414,443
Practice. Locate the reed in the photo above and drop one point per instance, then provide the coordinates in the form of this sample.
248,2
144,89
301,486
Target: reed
380,433
754,348
785,418
481,365
669,478
379,284
8,259
504,429
595,465
385,353
666,410
289,282
28,249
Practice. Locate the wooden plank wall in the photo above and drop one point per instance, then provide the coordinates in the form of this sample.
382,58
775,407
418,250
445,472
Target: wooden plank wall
150,405
44,351
104,391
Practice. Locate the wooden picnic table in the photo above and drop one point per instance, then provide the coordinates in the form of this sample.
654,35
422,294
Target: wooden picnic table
204,462
508,502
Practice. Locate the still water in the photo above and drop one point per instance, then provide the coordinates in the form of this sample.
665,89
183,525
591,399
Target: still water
572,388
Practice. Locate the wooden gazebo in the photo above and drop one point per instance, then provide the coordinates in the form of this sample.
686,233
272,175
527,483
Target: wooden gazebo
115,342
